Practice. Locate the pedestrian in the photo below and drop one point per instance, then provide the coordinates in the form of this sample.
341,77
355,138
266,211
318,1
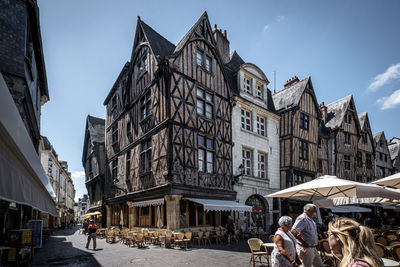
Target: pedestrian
92,234
387,220
230,227
284,253
85,226
305,231
354,242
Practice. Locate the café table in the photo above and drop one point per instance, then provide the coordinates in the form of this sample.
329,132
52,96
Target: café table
390,263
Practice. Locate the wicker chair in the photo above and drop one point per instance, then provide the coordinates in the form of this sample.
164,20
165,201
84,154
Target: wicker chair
272,238
257,255
382,240
206,238
162,237
199,237
381,250
154,238
140,240
326,253
187,239
179,239
396,252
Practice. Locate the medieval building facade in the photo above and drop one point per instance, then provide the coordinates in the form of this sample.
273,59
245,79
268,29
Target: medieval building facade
365,151
394,150
383,162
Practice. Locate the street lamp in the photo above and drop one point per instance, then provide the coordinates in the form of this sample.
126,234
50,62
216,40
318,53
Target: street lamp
236,177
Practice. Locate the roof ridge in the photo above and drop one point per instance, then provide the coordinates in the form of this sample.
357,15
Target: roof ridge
341,99
188,33
151,28
284,89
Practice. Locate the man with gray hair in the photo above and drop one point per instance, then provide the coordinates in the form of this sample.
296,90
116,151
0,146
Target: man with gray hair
305,231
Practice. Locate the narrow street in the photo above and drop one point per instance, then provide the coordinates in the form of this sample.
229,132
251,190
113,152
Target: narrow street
67,248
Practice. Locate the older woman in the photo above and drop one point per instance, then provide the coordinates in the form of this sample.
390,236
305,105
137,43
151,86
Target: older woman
284,253
354,242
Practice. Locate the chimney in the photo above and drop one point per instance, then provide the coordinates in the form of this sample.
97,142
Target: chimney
324,110
291,81
222,44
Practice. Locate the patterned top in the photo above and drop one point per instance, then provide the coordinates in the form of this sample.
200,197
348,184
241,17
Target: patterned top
307,229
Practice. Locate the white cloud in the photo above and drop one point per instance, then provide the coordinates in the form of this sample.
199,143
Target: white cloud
280,18
266,27
78,174
392,73
391,101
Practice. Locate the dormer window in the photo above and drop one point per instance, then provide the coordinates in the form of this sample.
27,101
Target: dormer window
203,60
347,118
247,84
259,91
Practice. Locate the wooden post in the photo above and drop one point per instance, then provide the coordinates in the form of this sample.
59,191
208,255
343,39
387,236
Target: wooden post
187,213
173,211
109,214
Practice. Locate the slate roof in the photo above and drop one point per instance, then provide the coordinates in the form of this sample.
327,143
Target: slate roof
96,128
362,119
336,112
394,150
290,97
115,86
160,46
186,37
231,69
377,136
48,146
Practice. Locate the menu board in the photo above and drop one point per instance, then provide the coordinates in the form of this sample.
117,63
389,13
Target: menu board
37,231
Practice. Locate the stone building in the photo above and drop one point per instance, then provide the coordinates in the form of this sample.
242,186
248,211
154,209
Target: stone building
61,181
255,134
168,132
383,162
93,160
23,90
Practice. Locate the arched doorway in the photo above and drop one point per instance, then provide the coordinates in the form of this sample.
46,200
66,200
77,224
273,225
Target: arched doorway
257,218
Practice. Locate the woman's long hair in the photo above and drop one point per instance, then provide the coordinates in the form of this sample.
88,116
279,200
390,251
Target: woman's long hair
357,242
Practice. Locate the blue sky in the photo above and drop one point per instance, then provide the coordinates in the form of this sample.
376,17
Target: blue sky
347,47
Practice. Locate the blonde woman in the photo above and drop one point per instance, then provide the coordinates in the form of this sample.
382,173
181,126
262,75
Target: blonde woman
354,242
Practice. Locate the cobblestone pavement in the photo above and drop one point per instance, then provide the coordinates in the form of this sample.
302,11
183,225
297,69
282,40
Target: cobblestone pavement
67,248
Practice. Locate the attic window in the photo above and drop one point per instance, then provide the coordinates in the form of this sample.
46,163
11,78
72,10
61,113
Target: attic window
364,137
259,91
347,118
203,60
247,84
142,65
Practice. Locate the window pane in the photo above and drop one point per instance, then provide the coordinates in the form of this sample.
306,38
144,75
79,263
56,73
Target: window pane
201,159
200,92
200,140
200,107
209,111
209,161
208,63
199,56
209,143
208,97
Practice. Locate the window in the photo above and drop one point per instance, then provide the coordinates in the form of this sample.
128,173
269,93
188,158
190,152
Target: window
246,119
261,125
295,180
303,152
145,156
319,143
206,154
129,130
364,138
142,65
145,105
128,166
246,160
359,159
114,171
346,162
304,121
385,157
347,138
320,169
259,91
347,118
203,60
369,161
381,156
113,102
205,103
262,165
115,133
247,84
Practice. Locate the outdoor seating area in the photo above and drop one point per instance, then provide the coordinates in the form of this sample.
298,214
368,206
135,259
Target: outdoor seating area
182,238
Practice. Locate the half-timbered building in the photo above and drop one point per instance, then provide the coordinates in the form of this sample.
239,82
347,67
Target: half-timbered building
365,151
344,127
93,161
383,162
394,150
300,116
255,134
168,133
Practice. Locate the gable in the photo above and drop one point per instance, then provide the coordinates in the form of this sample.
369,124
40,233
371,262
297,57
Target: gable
254,70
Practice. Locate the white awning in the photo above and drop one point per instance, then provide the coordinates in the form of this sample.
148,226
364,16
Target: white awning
348,209
221,205
22,178
152,202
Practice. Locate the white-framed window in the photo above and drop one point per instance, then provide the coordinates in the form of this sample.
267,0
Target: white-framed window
205,154
203,60
246,119
347,138
145,156
246,161
247,84
142,64
262,164
261,125
259,91
145,105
